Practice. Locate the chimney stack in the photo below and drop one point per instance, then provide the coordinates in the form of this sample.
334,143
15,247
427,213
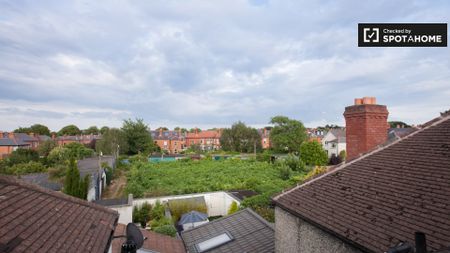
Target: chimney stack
366,126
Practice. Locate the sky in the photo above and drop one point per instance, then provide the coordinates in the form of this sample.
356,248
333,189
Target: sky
211,63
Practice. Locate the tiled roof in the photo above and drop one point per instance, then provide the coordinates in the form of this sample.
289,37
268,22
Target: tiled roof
208,134
155,242
251,233
7,142
34,219
167,135
382,198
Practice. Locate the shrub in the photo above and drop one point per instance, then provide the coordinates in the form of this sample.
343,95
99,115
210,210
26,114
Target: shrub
285,171
318,170
294,162
157,211
343,155
334,160
155,223
233,208
142,214
23,156
312,153
169,230
180,207
26,168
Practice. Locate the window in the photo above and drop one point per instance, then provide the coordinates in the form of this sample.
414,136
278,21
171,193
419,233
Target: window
213,242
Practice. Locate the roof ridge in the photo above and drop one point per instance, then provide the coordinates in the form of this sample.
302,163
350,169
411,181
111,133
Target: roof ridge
60,195
439,120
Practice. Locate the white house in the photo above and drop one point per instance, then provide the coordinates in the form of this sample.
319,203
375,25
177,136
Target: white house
334,142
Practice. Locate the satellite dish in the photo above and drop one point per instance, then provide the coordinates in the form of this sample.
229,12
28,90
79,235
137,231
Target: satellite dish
134,235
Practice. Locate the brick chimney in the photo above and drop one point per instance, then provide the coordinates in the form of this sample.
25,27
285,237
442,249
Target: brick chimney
366,126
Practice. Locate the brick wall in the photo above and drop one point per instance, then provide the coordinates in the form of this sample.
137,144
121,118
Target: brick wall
366,127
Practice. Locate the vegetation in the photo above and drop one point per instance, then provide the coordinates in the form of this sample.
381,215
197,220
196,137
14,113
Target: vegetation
69,130
73,185
142,214
91,130
180,207
113,140
36,129
318,170
137,136
169,230
287,135
240,138
312,153
46,147
22,156
233,208
25,168
104,129
160,179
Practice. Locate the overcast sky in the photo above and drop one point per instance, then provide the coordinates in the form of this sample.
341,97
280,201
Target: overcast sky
211,63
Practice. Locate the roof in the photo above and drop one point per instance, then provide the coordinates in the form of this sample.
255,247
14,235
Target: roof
383,197
339,134
7,142
207,134
91,165
192,217
154,242
34,219
249,231
242,194
167,135
396,133
112,202
43,180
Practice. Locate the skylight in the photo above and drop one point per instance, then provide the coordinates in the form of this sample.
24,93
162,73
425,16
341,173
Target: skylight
213,242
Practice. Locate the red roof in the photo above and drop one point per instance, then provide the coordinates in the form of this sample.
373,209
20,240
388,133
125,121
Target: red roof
34,219
382,198
209,134
154,242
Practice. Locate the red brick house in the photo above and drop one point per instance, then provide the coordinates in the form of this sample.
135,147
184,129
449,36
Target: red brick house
172,142
206,140
265,137
88,140
12,141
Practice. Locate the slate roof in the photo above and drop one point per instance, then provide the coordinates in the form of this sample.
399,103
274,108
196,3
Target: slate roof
155,242
34,219
382,198
339,133
43,180
167,135
251,233
112,202
242,194
8,142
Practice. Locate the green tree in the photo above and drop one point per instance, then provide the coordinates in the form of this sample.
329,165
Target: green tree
395,124
240,138
59,155
312,153
233,208
69,130
25,168
112,140
91,130
72,179
46,147
287,134
36,129
22,155
78,151
343,155
138,136
104,129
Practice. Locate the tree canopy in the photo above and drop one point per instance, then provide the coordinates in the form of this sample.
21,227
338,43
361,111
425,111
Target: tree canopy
395,124
137,136
104,129
312,153
112,140
240,138
36,129
287,134
69,130
91,130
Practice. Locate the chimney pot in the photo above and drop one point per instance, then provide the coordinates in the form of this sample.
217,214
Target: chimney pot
358,101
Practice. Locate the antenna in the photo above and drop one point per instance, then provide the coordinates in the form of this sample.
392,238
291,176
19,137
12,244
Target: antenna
134,241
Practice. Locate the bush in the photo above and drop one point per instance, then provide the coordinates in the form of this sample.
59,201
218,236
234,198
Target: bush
155,223
318,170
180,207
23,156
142,214
26,168
335,160
169,230
233,208
343,155
312,153
294,162
157,211
285,171
264,156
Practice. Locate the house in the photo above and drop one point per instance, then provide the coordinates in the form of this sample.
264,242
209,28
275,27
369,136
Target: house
378,200
34,219
92,168
8,144
43,180
207,140
154,242
192,219
398,133
315,134
85,139
243,231
172,142
334,142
